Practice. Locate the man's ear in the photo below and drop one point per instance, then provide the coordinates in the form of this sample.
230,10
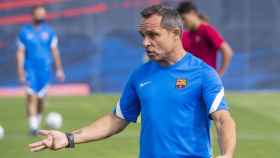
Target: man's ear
177,32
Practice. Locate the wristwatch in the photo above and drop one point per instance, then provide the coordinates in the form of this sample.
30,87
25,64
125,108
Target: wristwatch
70,138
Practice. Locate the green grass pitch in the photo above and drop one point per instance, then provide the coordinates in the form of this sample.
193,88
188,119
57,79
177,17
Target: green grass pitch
257,116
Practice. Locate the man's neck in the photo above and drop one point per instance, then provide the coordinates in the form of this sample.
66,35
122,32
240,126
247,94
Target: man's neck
36,25
174,57
196,24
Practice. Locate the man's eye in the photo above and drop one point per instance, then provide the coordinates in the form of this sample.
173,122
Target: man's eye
152,35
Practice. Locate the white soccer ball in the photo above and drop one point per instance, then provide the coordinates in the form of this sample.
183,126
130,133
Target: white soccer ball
2,132
54,120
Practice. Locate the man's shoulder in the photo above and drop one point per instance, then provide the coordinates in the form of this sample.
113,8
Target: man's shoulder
143,70
145,67
25,28
47,27
209,29
199,66
208,71
207,26
196,64
194,61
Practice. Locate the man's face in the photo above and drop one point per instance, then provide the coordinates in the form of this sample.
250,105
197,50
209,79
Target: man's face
39,14
157,41
188,19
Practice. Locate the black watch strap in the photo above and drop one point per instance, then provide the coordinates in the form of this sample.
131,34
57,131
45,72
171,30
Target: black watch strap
70,138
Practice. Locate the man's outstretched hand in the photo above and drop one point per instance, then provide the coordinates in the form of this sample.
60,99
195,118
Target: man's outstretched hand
55,140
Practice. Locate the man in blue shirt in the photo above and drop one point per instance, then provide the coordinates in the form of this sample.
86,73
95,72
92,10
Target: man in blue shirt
176,94
37,43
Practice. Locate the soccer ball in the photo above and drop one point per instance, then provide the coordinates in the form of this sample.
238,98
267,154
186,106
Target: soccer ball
54,120
2,132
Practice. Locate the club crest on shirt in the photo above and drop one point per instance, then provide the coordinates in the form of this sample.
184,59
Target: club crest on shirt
181,83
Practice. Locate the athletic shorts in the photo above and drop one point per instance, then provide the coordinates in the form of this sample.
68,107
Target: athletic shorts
37,81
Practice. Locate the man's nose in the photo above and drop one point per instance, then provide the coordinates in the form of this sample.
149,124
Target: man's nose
146,42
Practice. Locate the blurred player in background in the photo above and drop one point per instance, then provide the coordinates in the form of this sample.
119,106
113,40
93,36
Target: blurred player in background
176,93
37,44
202,39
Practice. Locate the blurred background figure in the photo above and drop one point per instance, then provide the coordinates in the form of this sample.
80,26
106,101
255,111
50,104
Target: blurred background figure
37,47
202,39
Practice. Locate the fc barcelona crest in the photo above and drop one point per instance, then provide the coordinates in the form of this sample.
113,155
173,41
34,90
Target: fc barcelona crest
181,83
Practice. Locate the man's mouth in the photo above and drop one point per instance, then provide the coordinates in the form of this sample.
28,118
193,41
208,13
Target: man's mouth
150,52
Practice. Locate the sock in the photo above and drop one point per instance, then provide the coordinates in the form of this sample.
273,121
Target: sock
33,123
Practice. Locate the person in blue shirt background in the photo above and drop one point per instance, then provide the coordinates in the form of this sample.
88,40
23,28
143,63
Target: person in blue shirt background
37,47
177,95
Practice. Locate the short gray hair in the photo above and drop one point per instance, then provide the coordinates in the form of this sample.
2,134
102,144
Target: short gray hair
170,17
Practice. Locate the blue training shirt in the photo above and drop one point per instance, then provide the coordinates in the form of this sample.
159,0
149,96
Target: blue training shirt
37,42
175,103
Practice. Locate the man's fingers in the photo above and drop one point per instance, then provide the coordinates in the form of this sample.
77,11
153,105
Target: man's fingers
43,144
38,148
44,132
46,142
36,144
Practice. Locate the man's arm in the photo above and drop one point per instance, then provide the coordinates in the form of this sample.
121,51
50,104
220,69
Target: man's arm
227,53
104,127
218,42
226,132
20,64
58,63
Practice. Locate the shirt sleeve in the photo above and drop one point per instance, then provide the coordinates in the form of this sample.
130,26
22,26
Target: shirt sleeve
213,91
214,36
20,41
128,106
54,40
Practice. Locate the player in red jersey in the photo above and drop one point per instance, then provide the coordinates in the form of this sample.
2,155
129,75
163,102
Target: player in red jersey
202,39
